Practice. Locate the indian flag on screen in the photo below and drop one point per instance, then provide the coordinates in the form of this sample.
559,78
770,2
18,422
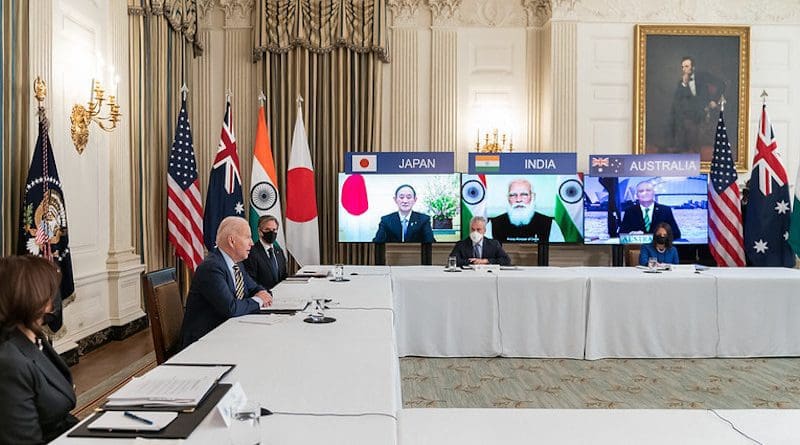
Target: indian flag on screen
568,214
487,163
473,198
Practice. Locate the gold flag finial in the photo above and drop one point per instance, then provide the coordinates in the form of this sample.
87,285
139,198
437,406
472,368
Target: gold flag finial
39,89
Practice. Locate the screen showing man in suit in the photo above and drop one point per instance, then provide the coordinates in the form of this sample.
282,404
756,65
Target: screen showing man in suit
645,215
405,225
521,221
221,287
477,249
266,262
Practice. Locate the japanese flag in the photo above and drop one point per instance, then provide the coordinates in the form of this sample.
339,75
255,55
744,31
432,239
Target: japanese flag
365,163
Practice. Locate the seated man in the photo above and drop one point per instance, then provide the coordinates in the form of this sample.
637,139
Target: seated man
404,226
521,222
221,288
645,215
478,249
266,262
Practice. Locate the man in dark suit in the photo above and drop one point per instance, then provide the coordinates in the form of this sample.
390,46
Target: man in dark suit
221,288
405,226
477,249
645,215
521,222
266,262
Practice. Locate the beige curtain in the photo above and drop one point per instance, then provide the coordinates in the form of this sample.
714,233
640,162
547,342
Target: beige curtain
162,45
331,54
16,98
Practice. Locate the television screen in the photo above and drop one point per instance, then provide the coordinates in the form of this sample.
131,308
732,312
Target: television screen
399,208
627,210
525,208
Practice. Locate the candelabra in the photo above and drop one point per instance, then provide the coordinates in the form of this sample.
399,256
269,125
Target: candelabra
494,143
82,117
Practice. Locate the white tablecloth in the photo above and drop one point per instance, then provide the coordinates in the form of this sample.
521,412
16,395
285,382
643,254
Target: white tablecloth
542,312
759,311
366,291
636,314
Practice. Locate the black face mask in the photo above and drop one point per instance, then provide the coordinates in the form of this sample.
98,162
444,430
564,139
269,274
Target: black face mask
269,237
661,239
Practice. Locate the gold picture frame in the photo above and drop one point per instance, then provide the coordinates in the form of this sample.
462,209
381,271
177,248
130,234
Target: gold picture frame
673,115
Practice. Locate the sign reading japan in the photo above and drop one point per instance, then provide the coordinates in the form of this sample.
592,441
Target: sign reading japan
523,163
644,165
398,162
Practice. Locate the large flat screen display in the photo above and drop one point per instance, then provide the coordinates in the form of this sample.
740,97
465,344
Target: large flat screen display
525,208
627,210
413,208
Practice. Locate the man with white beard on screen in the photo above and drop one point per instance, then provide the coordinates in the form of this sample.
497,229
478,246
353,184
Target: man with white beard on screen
521,223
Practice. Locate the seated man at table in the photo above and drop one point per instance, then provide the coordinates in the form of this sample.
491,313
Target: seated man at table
266,262
477,249
221,288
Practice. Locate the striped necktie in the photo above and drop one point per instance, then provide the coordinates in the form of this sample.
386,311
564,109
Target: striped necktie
405,229
647,219
238,281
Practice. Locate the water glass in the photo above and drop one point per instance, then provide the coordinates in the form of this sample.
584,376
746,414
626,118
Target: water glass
338,272
246,424
652,262
451,263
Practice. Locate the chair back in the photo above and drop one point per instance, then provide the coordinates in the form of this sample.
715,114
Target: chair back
632,257
164,306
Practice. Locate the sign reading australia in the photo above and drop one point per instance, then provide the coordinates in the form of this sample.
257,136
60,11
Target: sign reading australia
399,162
644,165
523,163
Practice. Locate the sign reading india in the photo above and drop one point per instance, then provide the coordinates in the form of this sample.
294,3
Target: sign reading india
523,163
398,162
613,166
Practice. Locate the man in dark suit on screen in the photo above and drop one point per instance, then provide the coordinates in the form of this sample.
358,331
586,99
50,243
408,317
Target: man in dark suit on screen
477,249
645,215
521,222
221,288
266,262
404,226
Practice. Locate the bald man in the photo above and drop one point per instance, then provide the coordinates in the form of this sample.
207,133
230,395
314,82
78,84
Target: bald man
221,288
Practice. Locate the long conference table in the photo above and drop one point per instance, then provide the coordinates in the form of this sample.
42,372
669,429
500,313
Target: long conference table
339,383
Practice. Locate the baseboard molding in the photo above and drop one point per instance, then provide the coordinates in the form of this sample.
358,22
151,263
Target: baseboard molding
102,337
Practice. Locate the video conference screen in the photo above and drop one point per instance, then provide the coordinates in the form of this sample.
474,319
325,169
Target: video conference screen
412,208
627,210
525,208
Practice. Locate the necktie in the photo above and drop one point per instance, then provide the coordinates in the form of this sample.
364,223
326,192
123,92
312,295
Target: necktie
405,229
273,262
238,281
476,250
647,219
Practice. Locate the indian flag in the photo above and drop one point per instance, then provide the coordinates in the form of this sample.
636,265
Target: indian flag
794,222
487,163
568,213
264,197
473,199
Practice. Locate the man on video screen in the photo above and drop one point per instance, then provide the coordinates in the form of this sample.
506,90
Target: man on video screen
405,225
645,215
521,222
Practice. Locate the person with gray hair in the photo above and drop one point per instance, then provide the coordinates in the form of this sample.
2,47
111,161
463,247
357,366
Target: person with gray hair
477,249
221,287
521,223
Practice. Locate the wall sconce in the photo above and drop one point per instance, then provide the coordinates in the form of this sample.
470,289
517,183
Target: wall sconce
82,117
494,142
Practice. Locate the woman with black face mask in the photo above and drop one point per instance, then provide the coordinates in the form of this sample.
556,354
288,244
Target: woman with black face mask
661,248
36,392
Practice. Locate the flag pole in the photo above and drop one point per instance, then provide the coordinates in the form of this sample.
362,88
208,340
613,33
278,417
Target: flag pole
764,97
184,91
261,98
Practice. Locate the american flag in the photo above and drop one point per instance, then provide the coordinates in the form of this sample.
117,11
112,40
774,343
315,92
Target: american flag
184,206
725,238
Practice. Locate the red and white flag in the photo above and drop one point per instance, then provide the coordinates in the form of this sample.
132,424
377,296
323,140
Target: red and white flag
302,226
725,239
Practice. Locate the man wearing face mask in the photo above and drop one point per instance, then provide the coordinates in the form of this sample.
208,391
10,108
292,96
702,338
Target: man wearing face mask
477,249
266,262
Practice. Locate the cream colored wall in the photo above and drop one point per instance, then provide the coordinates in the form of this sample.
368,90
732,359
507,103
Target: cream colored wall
68,37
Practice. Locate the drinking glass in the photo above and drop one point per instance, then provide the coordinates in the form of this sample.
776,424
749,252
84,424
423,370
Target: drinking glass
338,272
652,262
246,424
451,263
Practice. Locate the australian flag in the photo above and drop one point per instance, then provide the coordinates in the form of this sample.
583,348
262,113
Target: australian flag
766,222
43,219
224,196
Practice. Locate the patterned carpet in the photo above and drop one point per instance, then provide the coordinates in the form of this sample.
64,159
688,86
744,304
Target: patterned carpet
610,383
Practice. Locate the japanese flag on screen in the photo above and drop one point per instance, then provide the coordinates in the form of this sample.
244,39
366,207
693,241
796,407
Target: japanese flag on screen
365,163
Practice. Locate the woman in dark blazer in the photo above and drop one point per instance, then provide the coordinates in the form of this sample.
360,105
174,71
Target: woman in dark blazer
36,392
661,248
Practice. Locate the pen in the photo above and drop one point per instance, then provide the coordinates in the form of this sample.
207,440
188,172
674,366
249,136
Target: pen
135,417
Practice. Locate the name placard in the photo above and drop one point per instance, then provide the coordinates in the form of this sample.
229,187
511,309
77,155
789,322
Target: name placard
398,162
644,165
523,163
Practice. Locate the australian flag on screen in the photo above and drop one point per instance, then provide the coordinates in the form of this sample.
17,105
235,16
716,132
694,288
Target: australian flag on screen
766,221
43,219
224,196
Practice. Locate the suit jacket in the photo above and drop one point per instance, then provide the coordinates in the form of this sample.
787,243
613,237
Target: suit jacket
257,265
633,220
539,226
212,298
492,251
390,229
36,392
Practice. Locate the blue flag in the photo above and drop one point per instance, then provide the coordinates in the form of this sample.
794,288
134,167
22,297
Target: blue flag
43,219
766,219
224,196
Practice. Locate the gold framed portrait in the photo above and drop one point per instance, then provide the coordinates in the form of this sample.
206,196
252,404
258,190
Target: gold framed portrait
684,75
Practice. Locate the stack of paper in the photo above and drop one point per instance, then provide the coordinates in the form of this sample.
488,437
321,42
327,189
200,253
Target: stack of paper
169,386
